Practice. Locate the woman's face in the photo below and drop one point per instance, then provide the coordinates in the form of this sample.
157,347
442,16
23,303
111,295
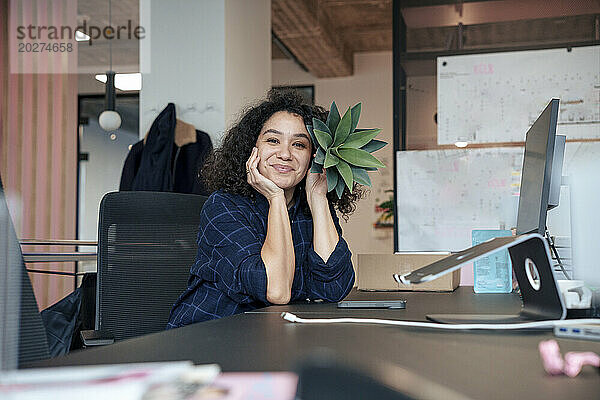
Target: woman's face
284,148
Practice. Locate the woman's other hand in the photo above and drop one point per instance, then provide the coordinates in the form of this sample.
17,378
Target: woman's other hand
325,236
263,185
316,186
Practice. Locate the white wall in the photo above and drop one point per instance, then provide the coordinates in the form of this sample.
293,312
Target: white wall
182,60
247,54
207,57
371,84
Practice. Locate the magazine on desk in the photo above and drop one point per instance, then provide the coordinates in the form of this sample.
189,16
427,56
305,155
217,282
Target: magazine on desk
117,381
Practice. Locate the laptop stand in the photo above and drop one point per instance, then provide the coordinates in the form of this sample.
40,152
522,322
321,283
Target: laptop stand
532,265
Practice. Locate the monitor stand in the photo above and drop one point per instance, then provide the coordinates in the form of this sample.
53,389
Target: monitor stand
532,265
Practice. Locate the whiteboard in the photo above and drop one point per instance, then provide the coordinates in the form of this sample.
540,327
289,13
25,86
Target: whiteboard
489,98
442,195
577,155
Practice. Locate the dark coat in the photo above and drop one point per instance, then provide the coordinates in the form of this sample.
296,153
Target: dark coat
159,165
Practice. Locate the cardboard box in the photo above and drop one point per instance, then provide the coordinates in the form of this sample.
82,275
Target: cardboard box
375,272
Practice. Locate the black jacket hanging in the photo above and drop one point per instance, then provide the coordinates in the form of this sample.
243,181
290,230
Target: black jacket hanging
154,173
160,165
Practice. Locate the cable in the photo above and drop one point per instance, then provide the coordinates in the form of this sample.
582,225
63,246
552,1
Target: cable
553,249
110,24
495,327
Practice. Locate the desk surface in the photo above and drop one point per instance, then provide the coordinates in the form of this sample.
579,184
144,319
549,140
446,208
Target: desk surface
476,364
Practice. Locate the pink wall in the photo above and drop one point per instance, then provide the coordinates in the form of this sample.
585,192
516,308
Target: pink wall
38,151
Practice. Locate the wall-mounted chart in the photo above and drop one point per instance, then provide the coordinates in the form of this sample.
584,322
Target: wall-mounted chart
490,98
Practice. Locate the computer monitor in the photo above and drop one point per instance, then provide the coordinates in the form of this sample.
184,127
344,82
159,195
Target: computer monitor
537,172
10,294
22,333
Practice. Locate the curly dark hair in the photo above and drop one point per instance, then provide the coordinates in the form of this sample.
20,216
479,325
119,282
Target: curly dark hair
225,168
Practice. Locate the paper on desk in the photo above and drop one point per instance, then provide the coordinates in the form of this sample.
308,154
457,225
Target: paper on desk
252,385
118,381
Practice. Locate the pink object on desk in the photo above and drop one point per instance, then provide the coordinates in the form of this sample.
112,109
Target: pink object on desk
551,357
572,363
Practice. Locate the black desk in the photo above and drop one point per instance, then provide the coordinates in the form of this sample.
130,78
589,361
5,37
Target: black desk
478,364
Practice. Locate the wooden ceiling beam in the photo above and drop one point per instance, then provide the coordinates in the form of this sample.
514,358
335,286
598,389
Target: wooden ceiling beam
304,28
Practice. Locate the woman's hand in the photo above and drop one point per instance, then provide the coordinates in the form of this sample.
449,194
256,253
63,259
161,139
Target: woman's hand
316,187
263,185
325,236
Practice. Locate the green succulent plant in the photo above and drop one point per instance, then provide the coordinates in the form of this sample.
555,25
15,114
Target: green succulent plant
343,150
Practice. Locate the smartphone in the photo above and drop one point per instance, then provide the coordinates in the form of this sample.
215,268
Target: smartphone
398,304
96,338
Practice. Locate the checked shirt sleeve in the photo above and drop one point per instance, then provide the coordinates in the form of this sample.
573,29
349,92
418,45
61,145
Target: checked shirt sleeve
229,252
331,280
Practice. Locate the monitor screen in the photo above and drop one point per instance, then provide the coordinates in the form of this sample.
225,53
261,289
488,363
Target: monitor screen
537,172
10,293
22,333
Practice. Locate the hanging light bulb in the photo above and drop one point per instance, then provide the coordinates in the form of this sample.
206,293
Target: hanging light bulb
109,119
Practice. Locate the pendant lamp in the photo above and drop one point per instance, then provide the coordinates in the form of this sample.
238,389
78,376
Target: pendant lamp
109,119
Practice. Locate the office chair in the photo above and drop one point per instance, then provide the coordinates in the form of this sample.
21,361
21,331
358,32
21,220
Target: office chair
15,289
146,246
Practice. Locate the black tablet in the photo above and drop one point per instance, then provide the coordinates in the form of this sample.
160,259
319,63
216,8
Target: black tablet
372,304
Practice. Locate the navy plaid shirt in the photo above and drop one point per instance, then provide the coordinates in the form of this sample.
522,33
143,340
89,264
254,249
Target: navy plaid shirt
229,275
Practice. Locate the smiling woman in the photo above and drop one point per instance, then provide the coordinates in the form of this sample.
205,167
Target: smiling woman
269,233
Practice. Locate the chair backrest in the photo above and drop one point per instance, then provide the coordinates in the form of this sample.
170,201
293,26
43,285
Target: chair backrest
146,246
22,336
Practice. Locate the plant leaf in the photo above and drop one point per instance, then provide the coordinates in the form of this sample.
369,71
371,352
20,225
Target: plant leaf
332,179
373,145
339,188
320,156
330,160
369,168
358,140
361,176
387,204
320,125
323,138
309,128
360,158
343,129
333,119
346,173
355,116
316,168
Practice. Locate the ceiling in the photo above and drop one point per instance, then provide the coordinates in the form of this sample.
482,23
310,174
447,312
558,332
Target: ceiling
125,52
323,35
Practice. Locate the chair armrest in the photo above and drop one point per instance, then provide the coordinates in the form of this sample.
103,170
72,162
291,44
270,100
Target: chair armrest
57,242
96,338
